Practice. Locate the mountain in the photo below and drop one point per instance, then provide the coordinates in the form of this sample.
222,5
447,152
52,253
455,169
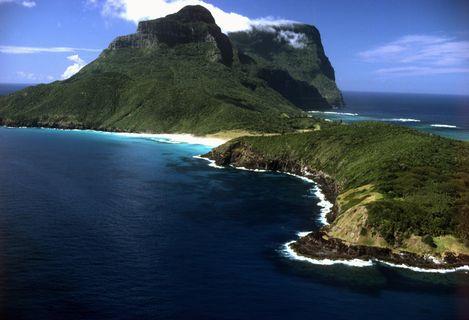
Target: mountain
179,73
296,48
399,195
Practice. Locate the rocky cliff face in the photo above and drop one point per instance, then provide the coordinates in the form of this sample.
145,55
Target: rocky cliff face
296,48
191,24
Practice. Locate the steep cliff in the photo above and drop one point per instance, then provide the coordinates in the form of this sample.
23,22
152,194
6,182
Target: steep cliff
191,24
296,48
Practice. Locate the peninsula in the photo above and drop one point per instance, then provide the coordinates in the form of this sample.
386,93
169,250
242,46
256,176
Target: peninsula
399,195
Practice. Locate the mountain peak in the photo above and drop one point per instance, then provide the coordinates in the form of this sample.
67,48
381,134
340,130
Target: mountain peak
190,14
191,24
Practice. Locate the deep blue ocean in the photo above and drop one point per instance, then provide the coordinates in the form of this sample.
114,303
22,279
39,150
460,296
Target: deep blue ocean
445,115
100,226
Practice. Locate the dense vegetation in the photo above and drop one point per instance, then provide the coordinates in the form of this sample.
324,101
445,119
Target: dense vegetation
423,179
182,76
296,48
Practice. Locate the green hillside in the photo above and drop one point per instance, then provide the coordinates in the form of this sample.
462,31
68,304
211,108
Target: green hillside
398,187
176,74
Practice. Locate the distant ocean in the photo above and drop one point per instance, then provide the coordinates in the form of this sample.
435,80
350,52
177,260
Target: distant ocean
6,88
445,115
105,226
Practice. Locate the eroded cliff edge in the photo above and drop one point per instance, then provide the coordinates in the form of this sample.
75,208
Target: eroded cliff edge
363,211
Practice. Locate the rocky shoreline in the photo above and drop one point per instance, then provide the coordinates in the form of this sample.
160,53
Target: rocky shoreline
318,245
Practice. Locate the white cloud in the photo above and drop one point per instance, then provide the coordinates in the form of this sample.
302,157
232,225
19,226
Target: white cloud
26,3
30,50
419,55
78,64
29,76
296,40
418,71
138,10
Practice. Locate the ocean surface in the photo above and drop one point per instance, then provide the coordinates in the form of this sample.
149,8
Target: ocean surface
102,226
6,88
445,115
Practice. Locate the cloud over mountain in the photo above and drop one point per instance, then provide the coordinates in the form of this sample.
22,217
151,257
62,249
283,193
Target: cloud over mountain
78,64
138,10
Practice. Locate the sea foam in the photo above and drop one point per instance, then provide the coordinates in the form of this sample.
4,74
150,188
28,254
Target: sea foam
437,125
211,162
336,113
401,120
288,252
417,269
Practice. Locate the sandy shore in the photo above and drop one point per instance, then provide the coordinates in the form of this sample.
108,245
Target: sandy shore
209,140
177,138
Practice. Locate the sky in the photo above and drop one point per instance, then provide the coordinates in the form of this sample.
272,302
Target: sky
419,46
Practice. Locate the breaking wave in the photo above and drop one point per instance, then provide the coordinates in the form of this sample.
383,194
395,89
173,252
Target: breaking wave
401,120
437,125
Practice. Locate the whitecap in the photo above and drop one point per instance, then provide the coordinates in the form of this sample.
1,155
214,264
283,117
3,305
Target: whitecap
299,177
302,234
401,120
211,162
417,269
336,113
325,205
288,252
247,169
437,125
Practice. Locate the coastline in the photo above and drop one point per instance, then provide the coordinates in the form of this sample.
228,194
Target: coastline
331,250
157,137
324,188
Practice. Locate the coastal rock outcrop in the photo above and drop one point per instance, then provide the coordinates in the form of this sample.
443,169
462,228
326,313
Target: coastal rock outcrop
319,245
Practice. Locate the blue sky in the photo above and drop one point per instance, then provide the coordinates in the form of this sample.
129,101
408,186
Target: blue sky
398,46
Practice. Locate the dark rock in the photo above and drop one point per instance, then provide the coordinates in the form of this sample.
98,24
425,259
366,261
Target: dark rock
190,24
318,245
271,45
300,93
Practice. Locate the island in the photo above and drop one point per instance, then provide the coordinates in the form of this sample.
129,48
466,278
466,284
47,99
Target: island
399,195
